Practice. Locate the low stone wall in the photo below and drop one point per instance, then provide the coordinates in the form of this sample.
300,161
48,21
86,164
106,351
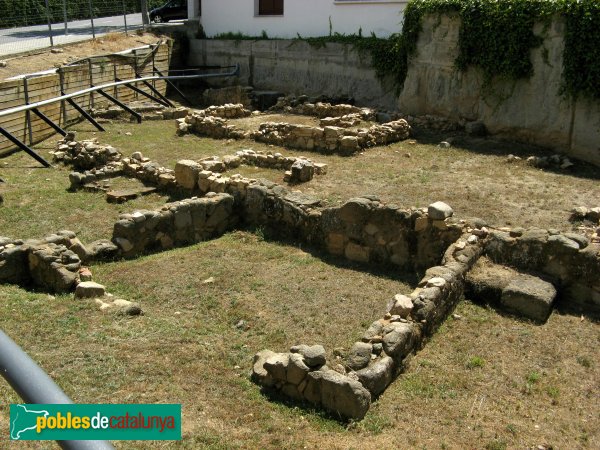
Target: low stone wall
569,260
331,139
180,223
210,126
301,105
362,230
374,362
52,263
148,111
84,155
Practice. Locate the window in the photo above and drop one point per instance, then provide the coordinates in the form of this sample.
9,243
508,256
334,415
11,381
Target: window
269,8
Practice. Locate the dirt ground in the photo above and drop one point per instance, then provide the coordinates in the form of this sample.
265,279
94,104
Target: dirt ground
41,60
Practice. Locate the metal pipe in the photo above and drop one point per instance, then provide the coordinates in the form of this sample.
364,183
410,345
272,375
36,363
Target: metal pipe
34,386
21,108
137,115
24,147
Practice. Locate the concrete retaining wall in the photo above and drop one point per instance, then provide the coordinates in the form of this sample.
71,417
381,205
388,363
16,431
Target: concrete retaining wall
530,111
295,67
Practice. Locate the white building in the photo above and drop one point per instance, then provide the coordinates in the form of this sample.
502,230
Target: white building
290,18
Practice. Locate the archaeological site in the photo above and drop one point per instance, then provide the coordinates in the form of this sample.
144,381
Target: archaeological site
377,230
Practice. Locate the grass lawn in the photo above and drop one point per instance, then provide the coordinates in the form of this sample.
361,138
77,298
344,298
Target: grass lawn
483,381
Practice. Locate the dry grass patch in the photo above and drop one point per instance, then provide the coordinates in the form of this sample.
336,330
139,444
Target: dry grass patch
472,176
186,348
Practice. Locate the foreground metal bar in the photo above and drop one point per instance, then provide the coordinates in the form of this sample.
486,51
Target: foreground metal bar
34,386
170,83
158,94
137,115
24,147
145,94
85,114
49,121
49,101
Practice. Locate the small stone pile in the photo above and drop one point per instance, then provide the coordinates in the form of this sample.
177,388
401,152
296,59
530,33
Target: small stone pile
226,111
142,168
303,106
210,126
106,301
549,162
347,121
590,221
302,374
52,263
86,154
179,223
432,122
331,139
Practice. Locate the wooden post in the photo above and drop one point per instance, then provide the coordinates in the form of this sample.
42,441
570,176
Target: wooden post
27,113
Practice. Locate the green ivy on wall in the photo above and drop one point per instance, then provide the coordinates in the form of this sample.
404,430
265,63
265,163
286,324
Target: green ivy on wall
495,36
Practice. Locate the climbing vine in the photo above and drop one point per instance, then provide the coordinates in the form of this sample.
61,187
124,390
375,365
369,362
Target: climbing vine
495,36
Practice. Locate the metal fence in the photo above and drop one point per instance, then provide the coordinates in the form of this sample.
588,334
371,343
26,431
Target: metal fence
27,25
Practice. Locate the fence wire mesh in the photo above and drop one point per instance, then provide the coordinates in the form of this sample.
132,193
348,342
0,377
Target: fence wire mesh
34,24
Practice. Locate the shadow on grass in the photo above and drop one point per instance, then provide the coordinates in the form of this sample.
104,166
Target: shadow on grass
503,147
381,270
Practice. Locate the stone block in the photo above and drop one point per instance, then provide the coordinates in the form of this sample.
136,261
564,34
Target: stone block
358,253
529,297
186,173
89,289
439,211
378,376
359,355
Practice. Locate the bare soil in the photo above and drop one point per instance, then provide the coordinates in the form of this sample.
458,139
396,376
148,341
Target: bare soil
41,60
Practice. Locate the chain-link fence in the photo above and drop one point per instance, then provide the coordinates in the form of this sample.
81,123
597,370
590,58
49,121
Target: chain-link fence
33,24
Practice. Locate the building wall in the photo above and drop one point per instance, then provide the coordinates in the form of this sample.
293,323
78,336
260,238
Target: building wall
309,18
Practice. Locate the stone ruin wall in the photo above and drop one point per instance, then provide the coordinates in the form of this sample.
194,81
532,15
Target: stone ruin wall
362,230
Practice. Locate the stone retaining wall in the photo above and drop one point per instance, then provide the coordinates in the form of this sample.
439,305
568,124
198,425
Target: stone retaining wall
175,224
331,139
374,362
569,260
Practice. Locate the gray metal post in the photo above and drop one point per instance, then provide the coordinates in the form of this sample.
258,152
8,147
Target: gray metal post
65,16
49,24
125,16
91,18
34,386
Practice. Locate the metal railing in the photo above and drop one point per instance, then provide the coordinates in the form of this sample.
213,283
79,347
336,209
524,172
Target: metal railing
34,386
47,23
102,89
